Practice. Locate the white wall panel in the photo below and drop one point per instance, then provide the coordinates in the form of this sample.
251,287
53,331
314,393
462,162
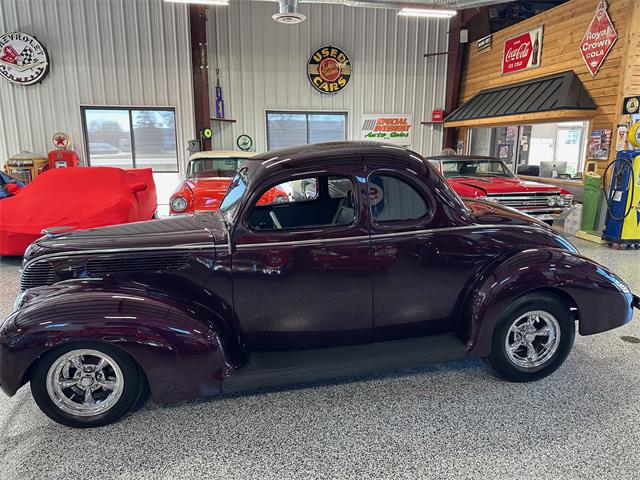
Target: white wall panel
102,52
263,66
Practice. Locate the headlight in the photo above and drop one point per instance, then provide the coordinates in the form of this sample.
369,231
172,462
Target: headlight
179,204
565,200
553,201
17,304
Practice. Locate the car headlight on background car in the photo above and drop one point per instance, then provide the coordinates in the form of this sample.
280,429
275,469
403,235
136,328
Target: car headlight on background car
553,201
179,204
565,200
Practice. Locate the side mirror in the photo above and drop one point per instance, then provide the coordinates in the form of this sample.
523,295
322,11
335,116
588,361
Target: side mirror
138,187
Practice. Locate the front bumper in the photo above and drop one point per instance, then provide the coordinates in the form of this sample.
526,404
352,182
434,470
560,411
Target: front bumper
547,213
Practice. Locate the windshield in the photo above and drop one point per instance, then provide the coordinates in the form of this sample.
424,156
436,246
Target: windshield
213,167
475,168
234,195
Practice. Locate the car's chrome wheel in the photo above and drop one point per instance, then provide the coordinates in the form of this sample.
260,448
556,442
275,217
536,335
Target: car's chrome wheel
85,382
532,339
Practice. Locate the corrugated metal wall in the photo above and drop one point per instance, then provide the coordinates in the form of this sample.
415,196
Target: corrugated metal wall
102,52
263,66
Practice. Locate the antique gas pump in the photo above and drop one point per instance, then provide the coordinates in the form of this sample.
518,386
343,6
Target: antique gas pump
62,156
622,226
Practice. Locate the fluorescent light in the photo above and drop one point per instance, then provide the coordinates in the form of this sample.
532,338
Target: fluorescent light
201,2
427,12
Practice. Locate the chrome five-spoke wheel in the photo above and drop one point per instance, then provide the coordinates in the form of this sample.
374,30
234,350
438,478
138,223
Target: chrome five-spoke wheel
532,339
85,382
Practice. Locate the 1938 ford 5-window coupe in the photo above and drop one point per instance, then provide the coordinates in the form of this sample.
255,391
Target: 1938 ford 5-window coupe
377,265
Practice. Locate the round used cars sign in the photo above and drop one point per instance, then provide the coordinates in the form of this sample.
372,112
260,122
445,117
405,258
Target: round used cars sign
329,69
23,59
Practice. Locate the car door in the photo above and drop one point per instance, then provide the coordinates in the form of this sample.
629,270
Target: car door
301,268
412,273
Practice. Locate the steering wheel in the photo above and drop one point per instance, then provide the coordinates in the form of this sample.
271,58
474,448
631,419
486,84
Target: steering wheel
274,219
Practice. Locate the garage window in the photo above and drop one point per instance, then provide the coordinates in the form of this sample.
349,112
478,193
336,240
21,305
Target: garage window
131,137
288,129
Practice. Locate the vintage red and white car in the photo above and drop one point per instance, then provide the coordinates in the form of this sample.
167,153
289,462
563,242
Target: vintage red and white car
491,179
208,176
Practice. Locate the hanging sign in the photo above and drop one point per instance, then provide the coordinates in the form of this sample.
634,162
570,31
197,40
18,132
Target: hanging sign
631,105
599,39
23,59
522,52
61,140
244,142
395,129
329,69
484,43
600,144
621,138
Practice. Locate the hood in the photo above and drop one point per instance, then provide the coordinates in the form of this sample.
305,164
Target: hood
476,187
166,232
208,192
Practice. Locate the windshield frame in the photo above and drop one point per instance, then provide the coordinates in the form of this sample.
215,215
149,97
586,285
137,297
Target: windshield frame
239,180
507,171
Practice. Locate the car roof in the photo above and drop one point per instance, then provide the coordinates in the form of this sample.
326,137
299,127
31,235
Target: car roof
329,153
221,154
454,158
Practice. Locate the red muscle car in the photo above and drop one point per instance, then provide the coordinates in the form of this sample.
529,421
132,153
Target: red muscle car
208,177
490,179
75,198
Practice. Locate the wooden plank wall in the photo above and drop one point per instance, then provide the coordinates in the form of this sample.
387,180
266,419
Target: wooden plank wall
564,28
631,84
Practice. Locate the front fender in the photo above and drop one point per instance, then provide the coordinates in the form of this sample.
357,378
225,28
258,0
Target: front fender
184,349
603,301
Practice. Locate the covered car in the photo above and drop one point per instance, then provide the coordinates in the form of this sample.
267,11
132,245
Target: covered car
75,198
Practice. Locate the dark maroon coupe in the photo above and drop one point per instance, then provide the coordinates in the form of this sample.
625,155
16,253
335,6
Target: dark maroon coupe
373,263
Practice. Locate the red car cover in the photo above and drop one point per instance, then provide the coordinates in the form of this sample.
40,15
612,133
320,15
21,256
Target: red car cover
76,198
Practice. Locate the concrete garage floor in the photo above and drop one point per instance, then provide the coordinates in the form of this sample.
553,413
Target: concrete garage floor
449,421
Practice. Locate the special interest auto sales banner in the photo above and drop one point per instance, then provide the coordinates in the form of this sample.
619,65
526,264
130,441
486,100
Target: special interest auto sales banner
522,52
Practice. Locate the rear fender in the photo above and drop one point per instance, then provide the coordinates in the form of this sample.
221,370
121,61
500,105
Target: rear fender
602,300
184,349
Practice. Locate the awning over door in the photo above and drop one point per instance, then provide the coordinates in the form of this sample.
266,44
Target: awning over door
553,98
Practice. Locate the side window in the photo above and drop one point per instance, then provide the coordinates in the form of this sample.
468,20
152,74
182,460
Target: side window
392,199
291,192
309,203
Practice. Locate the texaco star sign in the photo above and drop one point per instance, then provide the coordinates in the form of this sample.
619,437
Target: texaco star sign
23,59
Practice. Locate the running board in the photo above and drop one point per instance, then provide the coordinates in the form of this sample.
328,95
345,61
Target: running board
271,369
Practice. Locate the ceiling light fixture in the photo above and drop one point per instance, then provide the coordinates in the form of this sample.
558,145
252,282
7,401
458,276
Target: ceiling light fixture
202,2
425,12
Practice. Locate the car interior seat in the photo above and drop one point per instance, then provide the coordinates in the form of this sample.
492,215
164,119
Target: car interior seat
345,213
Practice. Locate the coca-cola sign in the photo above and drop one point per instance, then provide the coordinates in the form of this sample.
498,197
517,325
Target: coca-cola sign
599,39
522,52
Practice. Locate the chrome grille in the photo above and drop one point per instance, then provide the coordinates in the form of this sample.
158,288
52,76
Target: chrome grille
525,200
97,267
37,274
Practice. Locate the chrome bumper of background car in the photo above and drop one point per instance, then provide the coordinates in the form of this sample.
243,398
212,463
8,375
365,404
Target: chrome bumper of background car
547,214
